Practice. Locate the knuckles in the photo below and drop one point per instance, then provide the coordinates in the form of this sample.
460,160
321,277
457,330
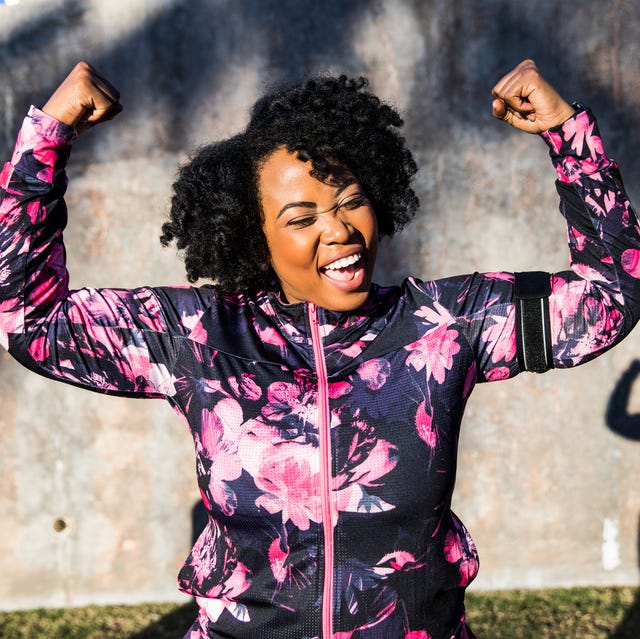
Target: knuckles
83,71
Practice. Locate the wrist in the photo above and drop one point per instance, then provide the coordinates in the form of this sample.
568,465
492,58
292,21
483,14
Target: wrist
62,113
51,127
565,113
575,108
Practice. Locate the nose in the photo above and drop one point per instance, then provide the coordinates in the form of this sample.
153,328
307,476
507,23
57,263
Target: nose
337,229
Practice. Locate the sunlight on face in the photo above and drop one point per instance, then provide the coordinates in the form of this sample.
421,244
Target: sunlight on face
322,236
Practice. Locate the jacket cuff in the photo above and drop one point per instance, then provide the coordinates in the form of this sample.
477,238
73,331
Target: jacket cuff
575,147
42,146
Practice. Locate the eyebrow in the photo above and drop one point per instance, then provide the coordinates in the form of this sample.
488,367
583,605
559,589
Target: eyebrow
313,205
291,205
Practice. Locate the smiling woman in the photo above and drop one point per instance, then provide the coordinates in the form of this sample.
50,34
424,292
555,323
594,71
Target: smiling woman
322,235
325,410
292,152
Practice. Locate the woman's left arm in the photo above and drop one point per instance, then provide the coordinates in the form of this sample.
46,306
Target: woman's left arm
570,317
597,303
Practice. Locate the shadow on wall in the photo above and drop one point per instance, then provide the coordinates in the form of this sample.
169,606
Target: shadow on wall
172,64
618,418
626,424
169,67
479,41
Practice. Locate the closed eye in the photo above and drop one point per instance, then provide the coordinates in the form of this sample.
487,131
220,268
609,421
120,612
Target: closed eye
353,202
302,221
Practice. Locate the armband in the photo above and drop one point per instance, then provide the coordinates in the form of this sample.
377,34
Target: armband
533,328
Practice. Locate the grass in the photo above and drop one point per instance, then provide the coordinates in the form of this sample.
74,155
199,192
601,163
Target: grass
145,621
584,613
575,613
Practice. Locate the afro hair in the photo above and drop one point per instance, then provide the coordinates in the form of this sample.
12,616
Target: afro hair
215,216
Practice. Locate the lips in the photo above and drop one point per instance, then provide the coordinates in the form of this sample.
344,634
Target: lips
347,272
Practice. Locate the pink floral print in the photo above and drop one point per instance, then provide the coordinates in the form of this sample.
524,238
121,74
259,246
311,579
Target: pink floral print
242,371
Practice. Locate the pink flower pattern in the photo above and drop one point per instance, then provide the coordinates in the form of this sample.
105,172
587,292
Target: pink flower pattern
289,486
241,370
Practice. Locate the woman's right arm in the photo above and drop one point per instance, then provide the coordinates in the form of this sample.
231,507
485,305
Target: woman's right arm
109,340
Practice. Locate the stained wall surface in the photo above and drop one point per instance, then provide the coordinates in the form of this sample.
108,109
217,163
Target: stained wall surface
98,499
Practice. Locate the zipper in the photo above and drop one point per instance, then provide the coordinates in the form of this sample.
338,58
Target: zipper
324,432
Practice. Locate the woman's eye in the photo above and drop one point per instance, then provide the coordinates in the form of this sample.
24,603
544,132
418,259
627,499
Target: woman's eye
354,202
307,220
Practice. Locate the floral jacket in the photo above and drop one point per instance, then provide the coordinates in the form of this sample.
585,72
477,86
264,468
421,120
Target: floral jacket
325,442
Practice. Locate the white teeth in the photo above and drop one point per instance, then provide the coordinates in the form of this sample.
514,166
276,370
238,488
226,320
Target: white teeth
344,262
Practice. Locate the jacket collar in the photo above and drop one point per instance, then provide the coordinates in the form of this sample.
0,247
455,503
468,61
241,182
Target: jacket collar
345,334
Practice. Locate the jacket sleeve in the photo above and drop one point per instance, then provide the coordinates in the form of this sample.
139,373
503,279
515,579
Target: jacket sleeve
114,341
594,305
597,303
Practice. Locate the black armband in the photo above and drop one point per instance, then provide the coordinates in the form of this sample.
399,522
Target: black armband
533,328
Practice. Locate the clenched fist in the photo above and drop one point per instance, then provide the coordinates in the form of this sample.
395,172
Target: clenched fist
525,100
84,99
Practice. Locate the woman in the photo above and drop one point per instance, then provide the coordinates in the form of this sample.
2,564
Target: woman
325,410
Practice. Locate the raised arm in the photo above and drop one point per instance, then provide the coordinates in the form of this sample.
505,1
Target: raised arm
583,311
596,304
117,341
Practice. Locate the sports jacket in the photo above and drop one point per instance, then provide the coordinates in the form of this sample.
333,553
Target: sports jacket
325,442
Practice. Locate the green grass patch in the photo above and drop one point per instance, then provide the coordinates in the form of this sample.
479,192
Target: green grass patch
145,621
580,613
575,613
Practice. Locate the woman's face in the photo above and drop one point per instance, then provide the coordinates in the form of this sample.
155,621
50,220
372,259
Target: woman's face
322,236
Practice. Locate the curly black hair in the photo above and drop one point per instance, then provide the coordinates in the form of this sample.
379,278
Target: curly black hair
215,216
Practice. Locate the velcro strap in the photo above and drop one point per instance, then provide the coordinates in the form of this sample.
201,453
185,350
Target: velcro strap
533,328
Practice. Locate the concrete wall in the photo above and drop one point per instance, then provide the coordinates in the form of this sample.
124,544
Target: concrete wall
97,494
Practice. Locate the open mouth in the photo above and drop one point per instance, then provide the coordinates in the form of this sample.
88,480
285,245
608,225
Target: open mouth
346,269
